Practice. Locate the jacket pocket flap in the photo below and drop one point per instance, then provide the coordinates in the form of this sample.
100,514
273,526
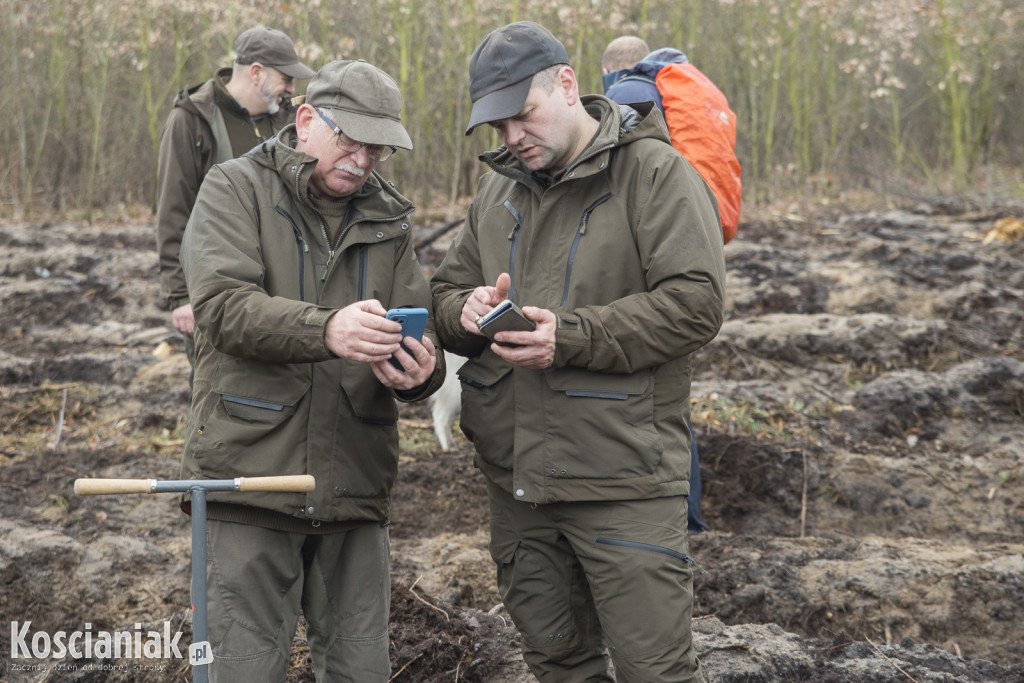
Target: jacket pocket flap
256,399
255,408
580,382
369,400
484,371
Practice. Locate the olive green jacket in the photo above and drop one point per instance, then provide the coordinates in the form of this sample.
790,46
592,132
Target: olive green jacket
192,140
269,398
625,248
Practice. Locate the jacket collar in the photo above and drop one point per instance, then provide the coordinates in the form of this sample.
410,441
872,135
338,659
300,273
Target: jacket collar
202,98
224,99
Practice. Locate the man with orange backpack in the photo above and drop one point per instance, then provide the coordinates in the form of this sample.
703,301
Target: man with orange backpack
701,125
631,75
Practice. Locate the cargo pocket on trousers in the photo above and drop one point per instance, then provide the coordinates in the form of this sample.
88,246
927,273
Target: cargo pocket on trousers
503,546
504,556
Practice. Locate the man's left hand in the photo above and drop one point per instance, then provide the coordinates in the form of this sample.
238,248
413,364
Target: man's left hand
419,363
536,349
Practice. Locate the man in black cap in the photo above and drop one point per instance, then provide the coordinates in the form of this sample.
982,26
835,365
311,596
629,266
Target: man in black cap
293,255
610,243
219,120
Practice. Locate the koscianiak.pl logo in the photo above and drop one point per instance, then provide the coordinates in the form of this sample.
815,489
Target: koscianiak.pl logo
30,647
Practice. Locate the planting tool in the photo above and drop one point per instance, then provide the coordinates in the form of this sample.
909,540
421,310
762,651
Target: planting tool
199,652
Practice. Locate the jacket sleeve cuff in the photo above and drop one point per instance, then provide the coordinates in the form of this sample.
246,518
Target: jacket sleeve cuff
571,343
319,318
414,394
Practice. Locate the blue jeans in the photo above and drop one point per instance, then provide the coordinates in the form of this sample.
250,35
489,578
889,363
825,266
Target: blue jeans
693,521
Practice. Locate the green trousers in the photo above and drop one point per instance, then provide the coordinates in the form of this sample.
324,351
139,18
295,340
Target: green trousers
584,580
258,579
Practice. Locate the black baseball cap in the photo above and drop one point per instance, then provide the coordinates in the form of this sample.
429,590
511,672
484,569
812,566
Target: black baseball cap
502,67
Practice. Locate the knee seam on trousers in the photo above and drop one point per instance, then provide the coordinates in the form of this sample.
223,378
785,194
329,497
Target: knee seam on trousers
362,639
632,652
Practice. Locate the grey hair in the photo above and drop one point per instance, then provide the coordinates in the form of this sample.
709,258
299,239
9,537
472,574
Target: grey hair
545,78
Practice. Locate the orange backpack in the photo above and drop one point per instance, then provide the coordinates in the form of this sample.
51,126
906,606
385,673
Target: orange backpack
703,130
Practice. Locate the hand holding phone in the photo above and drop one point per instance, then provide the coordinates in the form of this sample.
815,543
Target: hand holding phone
504,316
413,321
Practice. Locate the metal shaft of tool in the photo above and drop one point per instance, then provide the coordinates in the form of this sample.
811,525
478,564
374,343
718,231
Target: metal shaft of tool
200,672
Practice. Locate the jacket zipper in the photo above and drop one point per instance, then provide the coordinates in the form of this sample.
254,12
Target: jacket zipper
323,228
256,130
513,237
301,245
331,251
362,273
576,242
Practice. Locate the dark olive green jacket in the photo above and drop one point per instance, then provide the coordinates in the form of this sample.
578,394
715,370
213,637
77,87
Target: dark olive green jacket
625,247
192,140
269,398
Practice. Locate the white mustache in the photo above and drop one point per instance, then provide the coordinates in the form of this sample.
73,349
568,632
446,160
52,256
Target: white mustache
354,170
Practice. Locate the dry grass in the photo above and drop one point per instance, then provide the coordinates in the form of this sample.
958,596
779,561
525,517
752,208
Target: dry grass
829,95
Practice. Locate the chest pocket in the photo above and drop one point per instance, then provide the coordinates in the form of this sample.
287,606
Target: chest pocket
366,271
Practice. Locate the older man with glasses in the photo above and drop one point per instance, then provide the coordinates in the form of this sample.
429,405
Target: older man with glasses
293,255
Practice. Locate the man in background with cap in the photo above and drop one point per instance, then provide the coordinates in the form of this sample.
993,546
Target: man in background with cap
629,70
610,243
221,119
293,254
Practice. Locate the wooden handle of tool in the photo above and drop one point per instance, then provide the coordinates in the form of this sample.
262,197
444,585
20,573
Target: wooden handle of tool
295,482
98,487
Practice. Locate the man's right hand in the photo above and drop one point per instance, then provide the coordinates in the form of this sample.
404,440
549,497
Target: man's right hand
360,332
184,321
482,300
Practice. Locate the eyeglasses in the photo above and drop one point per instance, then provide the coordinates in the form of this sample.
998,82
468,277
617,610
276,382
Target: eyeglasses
350,146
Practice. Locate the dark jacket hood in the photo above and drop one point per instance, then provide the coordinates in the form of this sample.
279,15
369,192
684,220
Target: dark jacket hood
649,66
201,99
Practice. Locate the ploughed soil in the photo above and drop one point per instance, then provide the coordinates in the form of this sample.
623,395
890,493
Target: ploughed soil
860,420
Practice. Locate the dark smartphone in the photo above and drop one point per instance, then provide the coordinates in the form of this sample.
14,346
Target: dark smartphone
413,321
505,316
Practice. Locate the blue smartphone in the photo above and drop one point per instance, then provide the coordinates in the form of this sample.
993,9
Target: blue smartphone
413,321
